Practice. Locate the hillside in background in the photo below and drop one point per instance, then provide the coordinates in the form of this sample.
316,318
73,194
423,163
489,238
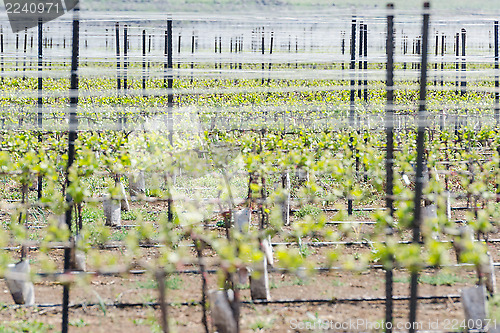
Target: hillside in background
277,5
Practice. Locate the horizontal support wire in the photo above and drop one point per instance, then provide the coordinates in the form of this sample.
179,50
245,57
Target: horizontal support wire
451,297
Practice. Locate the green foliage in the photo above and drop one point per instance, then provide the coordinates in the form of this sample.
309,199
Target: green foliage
173,282
77,323
25,326
306,210
261,324
494,307
210,161
441,278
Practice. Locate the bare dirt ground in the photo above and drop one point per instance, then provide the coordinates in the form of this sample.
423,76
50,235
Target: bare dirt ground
271,318
94,314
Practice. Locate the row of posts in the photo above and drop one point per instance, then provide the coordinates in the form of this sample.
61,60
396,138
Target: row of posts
73,127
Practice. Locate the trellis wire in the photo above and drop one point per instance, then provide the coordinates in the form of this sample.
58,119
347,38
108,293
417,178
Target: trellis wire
74,102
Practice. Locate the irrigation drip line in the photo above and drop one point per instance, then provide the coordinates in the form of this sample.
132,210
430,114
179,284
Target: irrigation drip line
118,273
131,226
119,245
142,199
372,209
16,203
453,297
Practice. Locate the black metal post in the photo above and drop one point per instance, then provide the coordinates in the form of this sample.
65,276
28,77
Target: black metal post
360,82
179,44
170,80
419,48
215,49
405,50
165,61
125,70
457,54
17,51
436,51
365,67
118,74
170,102
25,48
419,179
144,63
296,50
125,58
40,99
263,46
192,53
240,65
31,48
360,60
389,160
342,48
1,49
443,44
272,42
352,67
365,83
463,84
351,97
72,135
270,52
497,93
